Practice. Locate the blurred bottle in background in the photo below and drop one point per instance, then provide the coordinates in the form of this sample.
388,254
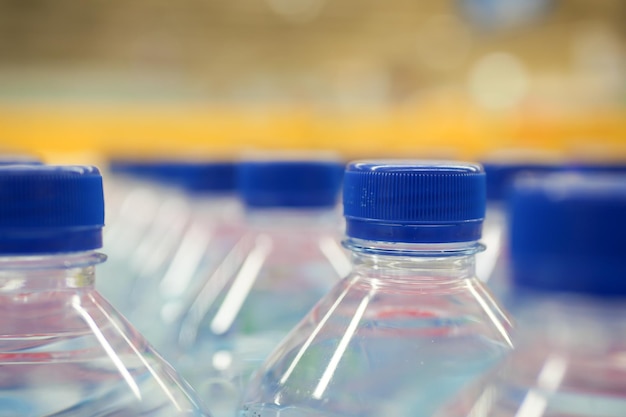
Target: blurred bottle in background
148,214
287,259
65,350
213,227
568,267
411,324
491,265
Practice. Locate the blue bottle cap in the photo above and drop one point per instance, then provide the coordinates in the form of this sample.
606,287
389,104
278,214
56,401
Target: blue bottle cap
157,170
50,209
500,175
289,184
145,169
207,177
132,167
414,201
192,176
568,233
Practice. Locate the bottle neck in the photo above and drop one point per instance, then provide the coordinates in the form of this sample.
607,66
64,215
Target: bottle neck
445,262
22,274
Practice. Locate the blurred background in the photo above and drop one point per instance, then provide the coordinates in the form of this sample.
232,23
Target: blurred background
447,78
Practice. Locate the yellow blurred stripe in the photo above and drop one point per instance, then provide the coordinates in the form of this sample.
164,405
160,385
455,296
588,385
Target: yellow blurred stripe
456,130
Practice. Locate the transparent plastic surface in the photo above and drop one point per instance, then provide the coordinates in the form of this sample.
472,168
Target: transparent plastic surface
569,361
491,264
163,291
64,351
275,273
140,237
399,336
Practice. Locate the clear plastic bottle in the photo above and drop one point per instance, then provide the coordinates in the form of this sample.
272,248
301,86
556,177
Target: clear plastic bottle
147,220
288,257
491,265
569,272
212,229
64,351
410,324
126,186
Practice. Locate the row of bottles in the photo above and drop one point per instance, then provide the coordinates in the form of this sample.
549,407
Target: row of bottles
236,274
492,268
235,277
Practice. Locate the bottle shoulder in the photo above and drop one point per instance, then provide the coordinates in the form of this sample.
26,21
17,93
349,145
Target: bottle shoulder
81,347
425,305
569,350
569,322
376,346
553,382
265,282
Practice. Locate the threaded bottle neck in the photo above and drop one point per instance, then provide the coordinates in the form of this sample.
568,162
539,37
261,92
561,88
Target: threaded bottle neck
448,262
23,274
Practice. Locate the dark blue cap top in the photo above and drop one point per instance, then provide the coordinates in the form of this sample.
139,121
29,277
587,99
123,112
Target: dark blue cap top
136,168
146,169
500,175
193,176
568,233
289,184
50,209
211,177
414,201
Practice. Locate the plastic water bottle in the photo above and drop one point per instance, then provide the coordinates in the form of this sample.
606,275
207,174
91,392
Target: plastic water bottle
145,230
129,184
569,270
133,200
289,256
212,229
491,265
64,351
411,324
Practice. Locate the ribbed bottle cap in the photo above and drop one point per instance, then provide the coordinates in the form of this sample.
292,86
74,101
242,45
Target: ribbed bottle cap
290,184
500,175
414,201
568,233
50,209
